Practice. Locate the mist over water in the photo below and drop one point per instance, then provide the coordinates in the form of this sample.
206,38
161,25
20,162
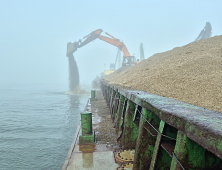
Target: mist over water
73,74
37,126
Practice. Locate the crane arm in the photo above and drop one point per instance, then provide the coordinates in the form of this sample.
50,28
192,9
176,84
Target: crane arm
116,43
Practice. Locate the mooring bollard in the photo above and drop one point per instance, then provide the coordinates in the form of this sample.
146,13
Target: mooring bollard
88,136
86,119
93,95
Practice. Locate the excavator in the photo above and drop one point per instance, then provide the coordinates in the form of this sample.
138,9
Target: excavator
205,33
127,58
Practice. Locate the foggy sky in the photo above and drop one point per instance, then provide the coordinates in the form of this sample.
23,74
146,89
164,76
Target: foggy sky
34,34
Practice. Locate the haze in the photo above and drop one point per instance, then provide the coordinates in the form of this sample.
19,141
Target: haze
34,34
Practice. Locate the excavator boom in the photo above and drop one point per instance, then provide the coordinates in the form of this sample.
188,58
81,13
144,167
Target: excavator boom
127,58
116,43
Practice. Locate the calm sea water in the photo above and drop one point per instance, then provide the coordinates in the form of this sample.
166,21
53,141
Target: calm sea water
37,126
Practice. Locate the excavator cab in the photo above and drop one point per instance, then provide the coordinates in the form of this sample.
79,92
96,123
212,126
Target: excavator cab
128,61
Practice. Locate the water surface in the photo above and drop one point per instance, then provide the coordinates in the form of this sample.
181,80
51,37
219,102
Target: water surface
37,126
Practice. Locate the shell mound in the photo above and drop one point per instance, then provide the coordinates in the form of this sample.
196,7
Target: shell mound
191,73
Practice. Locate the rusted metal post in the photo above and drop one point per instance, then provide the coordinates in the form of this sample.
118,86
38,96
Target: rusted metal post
93,95
88,136
86,119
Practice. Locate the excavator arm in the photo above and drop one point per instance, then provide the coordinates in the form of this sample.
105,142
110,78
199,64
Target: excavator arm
92,36
127,58
72,47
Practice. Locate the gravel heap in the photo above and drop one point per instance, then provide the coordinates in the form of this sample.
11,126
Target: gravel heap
191,73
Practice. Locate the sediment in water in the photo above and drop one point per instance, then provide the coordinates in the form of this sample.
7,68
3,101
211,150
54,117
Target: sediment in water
73,74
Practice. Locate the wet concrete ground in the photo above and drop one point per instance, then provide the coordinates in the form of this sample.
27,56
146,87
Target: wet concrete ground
102,122
98,156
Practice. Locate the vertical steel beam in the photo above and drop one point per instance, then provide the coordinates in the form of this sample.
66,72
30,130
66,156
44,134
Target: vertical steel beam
109,95
111,98
114,107
119,117
193,156
157,145
179,151
146,141
130,130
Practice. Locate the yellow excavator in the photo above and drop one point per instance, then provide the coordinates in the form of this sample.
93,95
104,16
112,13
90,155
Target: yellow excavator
127,58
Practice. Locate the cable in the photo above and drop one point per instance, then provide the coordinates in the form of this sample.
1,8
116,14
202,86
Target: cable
148,121
178,161
153,126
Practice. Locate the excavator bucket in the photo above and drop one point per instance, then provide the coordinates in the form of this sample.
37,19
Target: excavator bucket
71,48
